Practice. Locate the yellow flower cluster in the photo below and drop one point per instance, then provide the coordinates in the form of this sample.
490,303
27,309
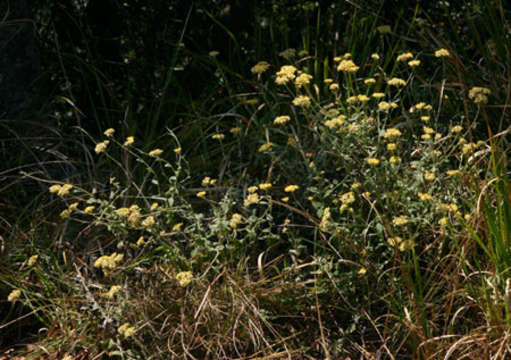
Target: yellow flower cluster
396,82
369,81
260,67
252,198
395,160
67,212
14,295
429,176
403,245
129,141
346,200
456,129
126,330
265,147
442,53
424,196
114,289
414,63
336,121
148,222
291,188
155,152
281,120
372,161
100,147
218,136
404,56
302,101
208,181
325,220
61,190
400,220
184,278
302,79
392,133
236,219
479,95
347,66
132,213
109,132
32,260
265,186
285,74
108,262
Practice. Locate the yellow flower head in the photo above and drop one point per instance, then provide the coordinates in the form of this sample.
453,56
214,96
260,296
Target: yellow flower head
302,101
129,141
236,219
302,79
391,146
100,147
155,152
392,133
177,150
404,56
414,63
396,82
400,220
291,188
218,136
429,176
348,198
260,67
61,190
252,198
425,196
394,241
280,120
369,81
177,227
201,194
372,161
148,222
347,66
126,330
479,95
384,106
265,147
114,289
89,209
456,129
363,98
442,53
109,132
333,87
184,278
32,260
265,186
108,262
378,95
395,160
285,74
14,295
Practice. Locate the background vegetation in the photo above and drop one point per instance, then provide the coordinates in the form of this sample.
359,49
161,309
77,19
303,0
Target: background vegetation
164,197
